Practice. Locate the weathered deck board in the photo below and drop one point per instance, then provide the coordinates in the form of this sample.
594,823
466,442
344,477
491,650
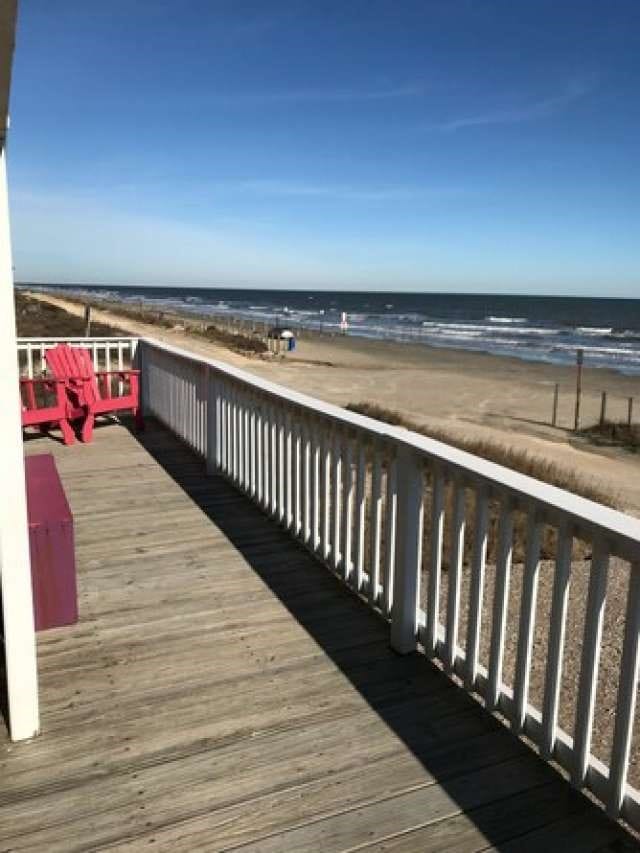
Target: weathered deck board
222,691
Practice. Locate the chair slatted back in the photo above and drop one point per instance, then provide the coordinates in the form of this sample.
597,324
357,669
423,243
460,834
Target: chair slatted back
73,365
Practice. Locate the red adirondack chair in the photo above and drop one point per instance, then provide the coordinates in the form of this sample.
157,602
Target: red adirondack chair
54,410
89,393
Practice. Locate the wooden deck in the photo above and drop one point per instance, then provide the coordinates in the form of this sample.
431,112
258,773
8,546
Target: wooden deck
222,691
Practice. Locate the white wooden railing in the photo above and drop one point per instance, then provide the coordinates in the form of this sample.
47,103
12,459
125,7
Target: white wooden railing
388,511
108,353
353,491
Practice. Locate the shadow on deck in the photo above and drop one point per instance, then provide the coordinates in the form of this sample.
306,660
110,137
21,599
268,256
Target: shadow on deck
224,691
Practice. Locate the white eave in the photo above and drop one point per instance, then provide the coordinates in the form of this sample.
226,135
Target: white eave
7,41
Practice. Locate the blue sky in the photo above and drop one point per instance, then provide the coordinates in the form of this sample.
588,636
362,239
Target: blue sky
457,145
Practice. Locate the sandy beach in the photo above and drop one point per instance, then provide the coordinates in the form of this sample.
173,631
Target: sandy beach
469,394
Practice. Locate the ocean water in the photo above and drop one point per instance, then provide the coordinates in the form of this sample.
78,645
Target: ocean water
536,328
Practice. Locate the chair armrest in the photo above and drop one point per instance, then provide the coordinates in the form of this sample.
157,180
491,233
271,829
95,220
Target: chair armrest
126,371
45,380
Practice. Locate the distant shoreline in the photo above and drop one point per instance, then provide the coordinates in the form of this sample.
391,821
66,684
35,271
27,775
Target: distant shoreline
524,328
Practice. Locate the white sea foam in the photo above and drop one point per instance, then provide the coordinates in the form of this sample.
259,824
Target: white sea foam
491,331
596,331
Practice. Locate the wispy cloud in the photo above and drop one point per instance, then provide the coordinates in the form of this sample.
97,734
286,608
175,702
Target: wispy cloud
342,192
303,96
516,113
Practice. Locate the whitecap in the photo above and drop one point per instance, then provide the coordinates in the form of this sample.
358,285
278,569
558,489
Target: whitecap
596,331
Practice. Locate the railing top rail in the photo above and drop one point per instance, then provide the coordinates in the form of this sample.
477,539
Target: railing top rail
620,530
74,339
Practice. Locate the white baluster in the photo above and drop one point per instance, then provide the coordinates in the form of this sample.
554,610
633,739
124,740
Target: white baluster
224,449
239,438
590,661
500,602
477,586
527,619
391,507
306,484
325,464
253,425
120,367
273,458
281,466
346,533
336,485
235,420
376,523
455,573
266,456
296,484
213,438
315,486
288,475
360,513
247,442
259,455
435,560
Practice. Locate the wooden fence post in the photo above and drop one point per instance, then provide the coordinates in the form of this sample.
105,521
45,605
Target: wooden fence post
630,412
603,408
554,415
410,511
579,361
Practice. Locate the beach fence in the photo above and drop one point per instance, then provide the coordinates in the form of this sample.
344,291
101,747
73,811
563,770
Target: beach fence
500,578
597,409
592,409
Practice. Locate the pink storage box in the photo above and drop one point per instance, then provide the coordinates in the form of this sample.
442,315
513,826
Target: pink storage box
53,564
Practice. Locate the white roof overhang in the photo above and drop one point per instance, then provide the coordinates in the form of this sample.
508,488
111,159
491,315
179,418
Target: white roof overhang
8,10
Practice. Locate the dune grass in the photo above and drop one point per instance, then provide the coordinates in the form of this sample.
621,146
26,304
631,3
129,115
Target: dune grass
619,433
518,460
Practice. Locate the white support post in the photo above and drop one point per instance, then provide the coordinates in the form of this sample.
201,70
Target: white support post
404,616
142,363
17,603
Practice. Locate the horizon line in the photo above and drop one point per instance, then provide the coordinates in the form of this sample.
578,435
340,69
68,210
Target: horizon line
315,290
